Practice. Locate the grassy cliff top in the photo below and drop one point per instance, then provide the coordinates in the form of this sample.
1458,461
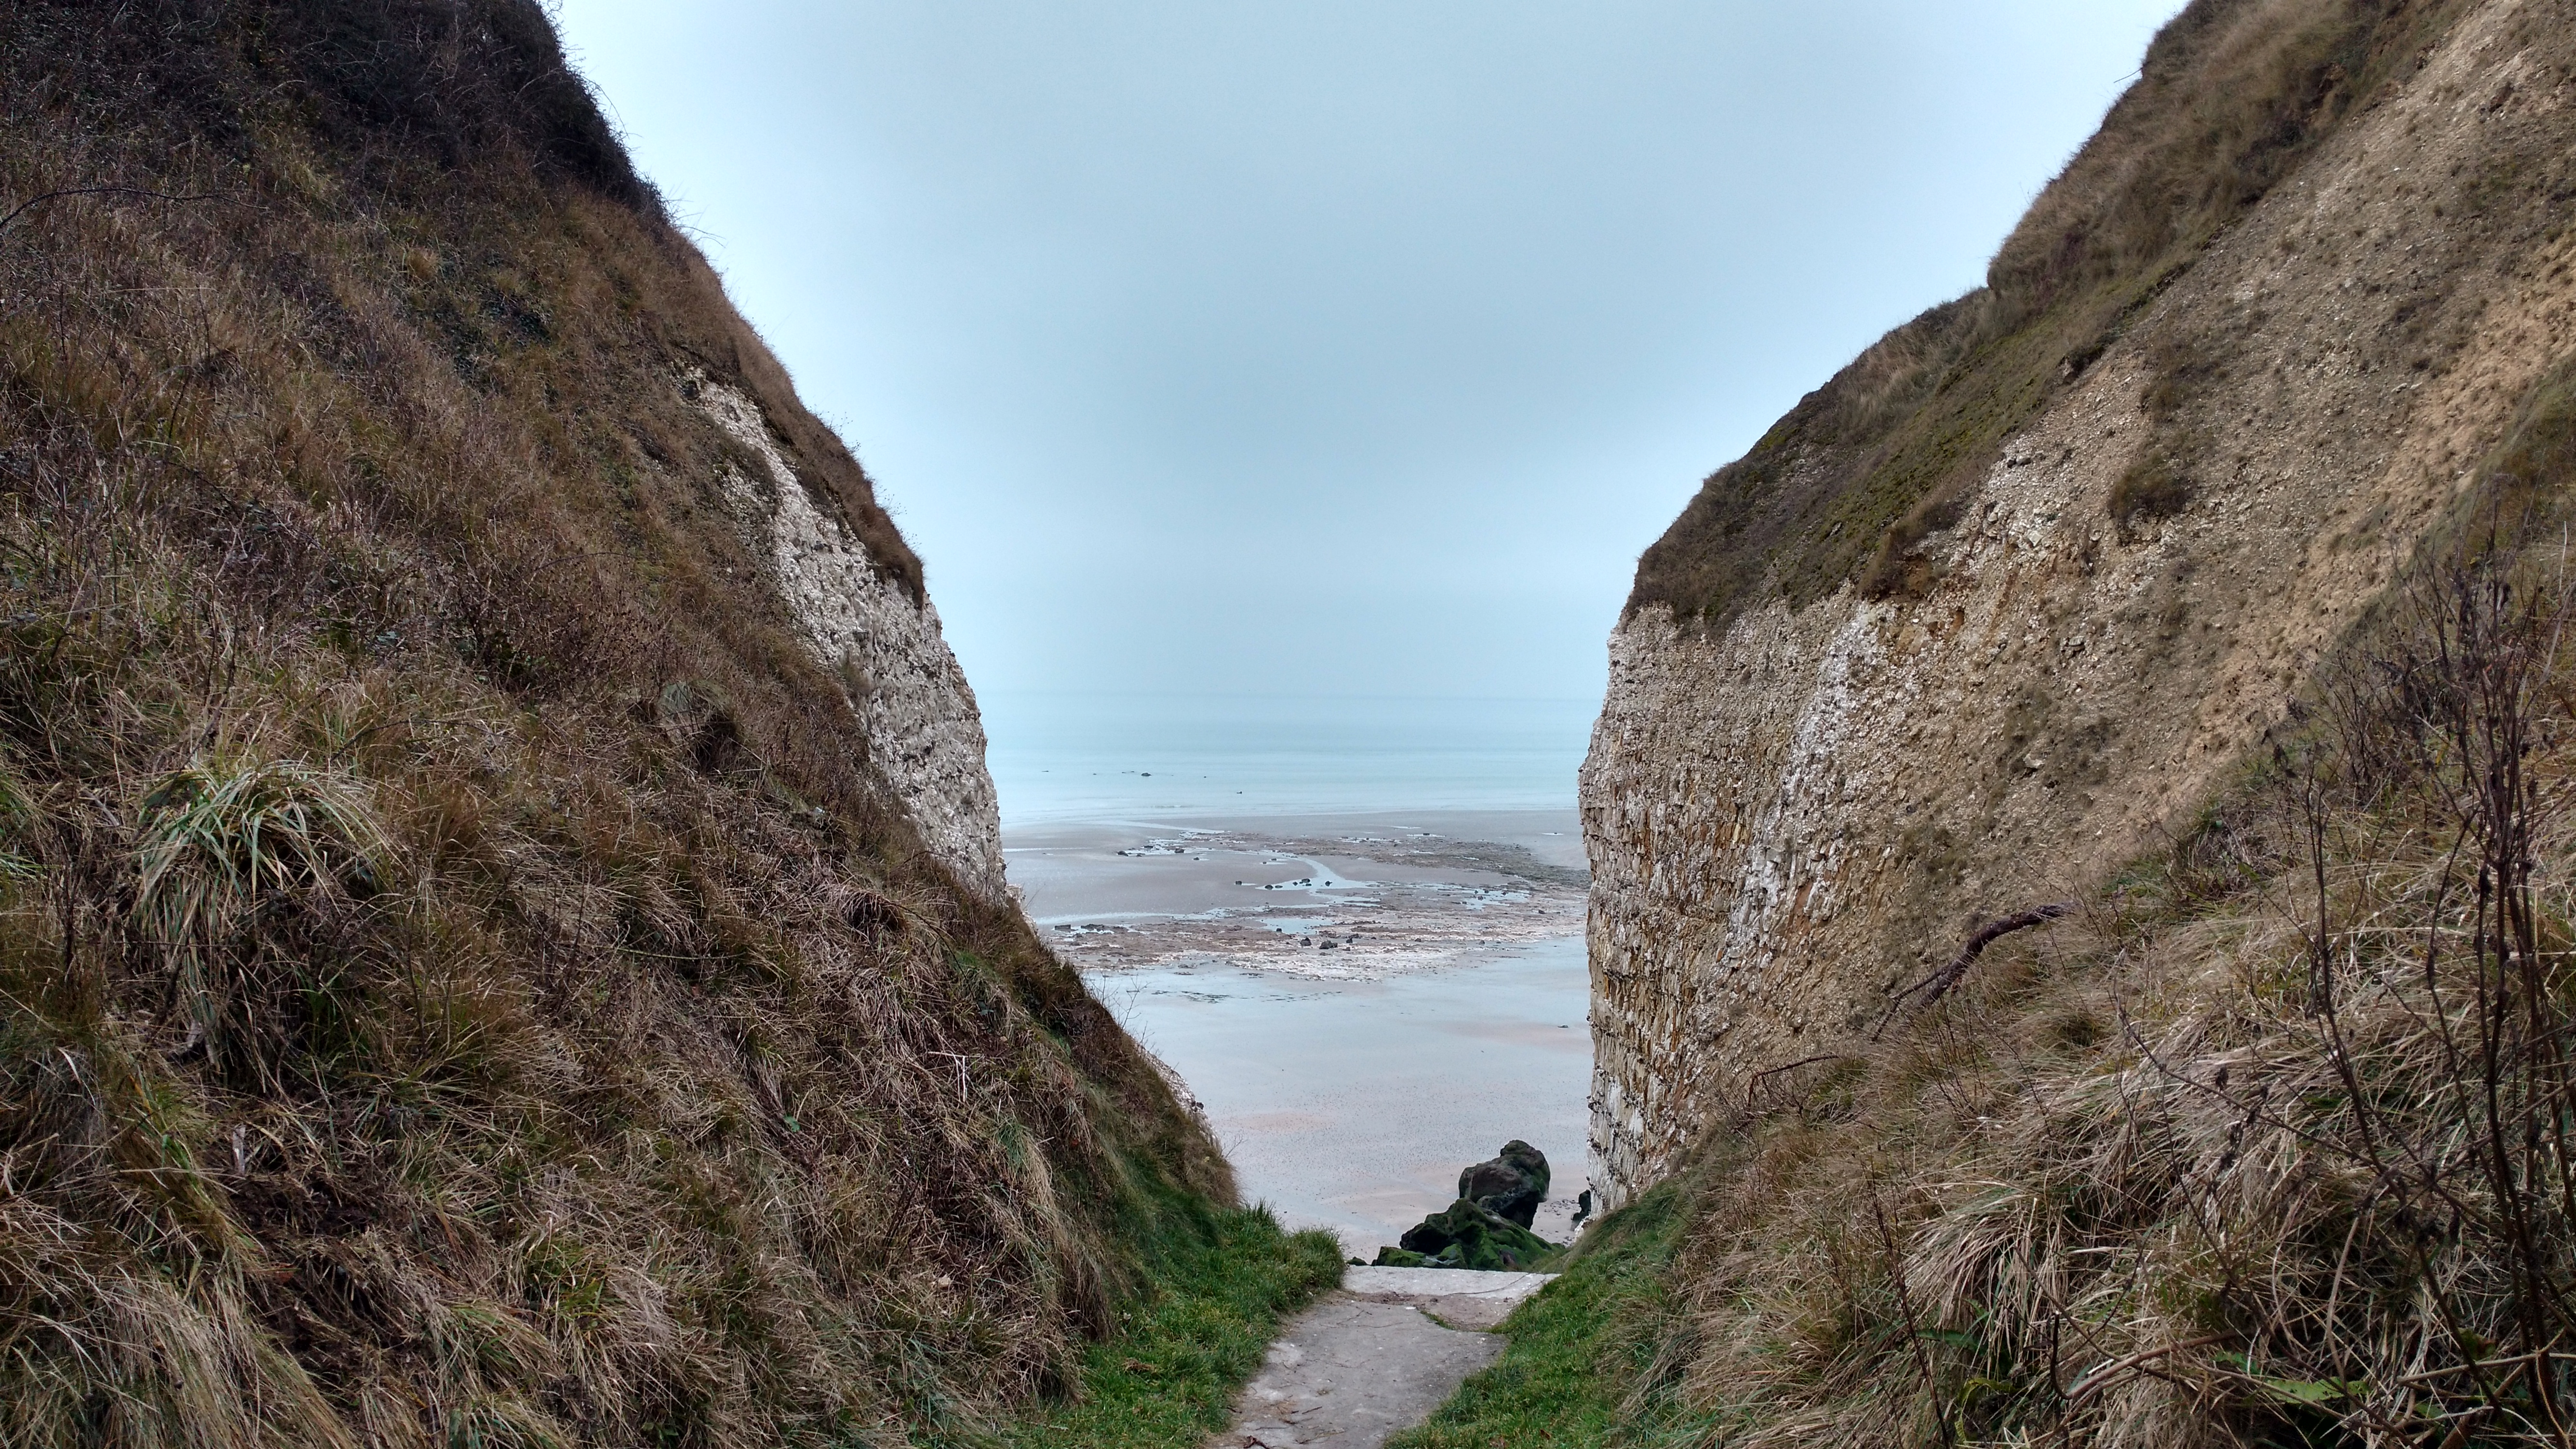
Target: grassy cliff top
2232,95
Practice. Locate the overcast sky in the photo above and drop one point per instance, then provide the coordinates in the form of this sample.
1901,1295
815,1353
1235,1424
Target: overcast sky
1330,347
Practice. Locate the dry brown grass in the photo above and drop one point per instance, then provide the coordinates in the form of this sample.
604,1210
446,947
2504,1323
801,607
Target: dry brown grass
414,1032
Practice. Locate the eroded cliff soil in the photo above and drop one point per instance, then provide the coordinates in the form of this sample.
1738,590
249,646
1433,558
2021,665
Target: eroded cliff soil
1793,805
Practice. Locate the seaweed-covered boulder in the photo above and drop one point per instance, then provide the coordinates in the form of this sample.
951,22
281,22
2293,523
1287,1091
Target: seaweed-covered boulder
1511,1186
1465,1235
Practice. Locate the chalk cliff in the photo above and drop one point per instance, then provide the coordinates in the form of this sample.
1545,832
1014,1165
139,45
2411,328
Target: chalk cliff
882,641
1999,604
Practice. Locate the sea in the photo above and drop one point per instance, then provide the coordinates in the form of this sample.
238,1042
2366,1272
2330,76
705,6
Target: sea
1074,756
1349,1105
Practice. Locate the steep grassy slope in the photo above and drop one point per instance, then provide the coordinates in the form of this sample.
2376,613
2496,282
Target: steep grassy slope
464,979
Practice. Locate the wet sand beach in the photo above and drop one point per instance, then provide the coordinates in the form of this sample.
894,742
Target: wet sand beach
1363,1003
1353,1104
1345,896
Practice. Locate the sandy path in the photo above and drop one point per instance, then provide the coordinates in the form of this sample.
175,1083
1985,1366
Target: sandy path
1376,1357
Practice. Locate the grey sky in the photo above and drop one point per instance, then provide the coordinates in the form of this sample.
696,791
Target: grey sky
1330,347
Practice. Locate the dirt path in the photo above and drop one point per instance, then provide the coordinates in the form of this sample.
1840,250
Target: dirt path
1376,1357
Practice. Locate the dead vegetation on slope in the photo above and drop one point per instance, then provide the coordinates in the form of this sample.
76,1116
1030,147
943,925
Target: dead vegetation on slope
461,982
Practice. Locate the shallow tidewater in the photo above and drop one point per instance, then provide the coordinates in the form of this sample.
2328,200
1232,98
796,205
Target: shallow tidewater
1340,896
1352,1104
1127,756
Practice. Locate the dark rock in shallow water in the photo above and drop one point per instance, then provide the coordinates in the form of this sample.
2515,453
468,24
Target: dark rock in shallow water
1511,1186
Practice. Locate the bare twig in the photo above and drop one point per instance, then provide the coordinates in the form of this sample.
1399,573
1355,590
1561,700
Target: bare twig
1905,1307
33,202
2101,1378
1939,983
1754,1085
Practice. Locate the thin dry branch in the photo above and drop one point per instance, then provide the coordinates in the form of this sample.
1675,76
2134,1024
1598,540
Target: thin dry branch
1940,983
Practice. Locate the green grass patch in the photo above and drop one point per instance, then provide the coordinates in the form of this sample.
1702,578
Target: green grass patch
1591,1360
1218,1284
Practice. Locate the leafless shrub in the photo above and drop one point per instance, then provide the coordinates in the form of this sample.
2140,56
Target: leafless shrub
2447,1041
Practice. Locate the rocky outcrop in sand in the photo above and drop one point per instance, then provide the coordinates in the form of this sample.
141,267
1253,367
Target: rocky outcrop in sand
1796,811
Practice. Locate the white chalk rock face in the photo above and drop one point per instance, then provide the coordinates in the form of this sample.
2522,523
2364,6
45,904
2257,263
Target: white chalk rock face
1799,811
925,736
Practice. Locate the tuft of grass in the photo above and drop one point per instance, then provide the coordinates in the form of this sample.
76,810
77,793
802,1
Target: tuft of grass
229,844
2154,488
1217,1285
17,821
